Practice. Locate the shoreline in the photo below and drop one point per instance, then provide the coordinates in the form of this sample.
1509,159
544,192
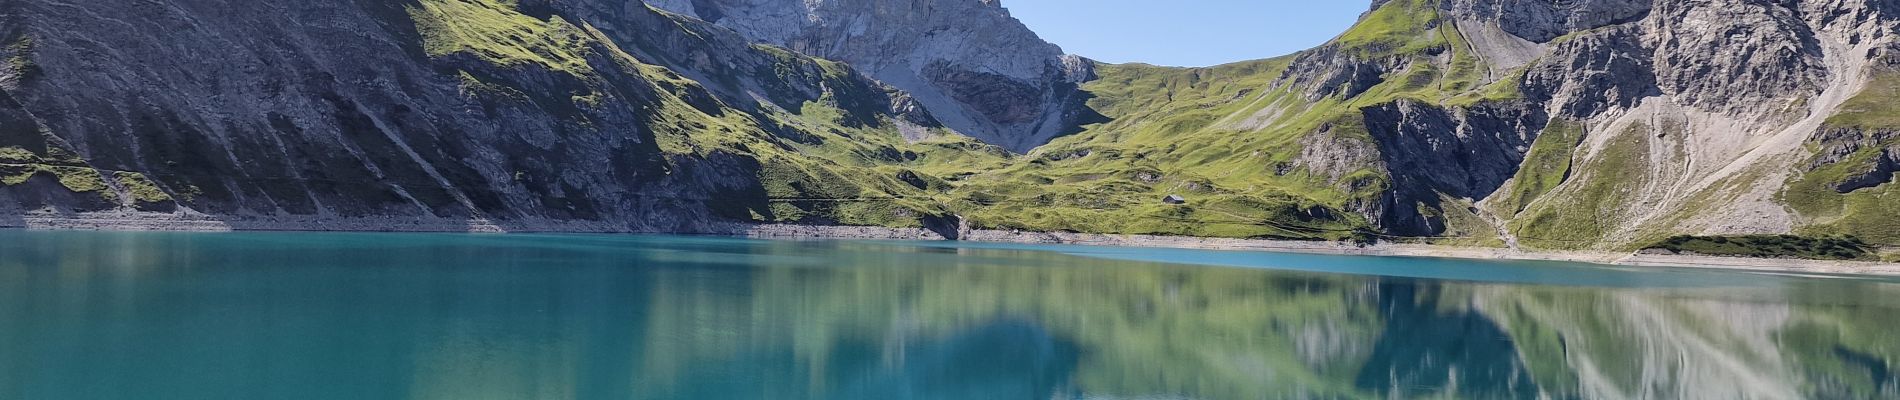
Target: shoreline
181,222
1763,265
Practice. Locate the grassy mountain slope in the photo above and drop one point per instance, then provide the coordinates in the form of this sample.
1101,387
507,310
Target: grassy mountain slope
1171,134
1849,189
1247,143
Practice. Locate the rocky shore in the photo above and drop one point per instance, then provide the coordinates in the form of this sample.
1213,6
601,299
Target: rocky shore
184,222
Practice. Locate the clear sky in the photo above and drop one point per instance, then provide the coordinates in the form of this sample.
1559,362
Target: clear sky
1186,33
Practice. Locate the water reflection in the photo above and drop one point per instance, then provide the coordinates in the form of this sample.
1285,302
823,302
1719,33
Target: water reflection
321,316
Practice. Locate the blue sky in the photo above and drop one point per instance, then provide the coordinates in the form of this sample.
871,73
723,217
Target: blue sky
1190,33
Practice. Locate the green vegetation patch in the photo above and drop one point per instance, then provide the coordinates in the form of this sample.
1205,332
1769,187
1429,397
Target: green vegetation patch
80,180
1400,26
1546,166
1223,136
20,58
16,155
142,189
1876,107
1869,212
14,174
1582,214
497,32
1772,246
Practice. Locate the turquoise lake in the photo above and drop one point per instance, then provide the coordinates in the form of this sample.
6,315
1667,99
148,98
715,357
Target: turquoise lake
86,315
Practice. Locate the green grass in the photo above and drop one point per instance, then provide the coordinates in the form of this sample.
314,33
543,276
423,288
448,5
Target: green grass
16,155
1173,131
141,188
1866,213
1582,215
15,174
1546,166
1874,107
20,58
496,32
1771,246
1509,88
78,180
1398,27
473,86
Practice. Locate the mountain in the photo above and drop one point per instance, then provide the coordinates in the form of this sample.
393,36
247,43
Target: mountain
1581,124
1578,124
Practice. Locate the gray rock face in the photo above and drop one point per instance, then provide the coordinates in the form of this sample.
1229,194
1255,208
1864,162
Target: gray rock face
1710,52
976,68
1540,21
1594,74
1330,71
1463,153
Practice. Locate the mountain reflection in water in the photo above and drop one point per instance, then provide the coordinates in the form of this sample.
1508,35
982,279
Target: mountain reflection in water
323,316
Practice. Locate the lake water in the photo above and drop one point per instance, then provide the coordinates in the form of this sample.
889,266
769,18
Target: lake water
428,316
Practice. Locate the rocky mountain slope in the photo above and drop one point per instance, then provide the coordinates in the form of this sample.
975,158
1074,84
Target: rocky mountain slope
1605,124
1585,124
979,70
373,114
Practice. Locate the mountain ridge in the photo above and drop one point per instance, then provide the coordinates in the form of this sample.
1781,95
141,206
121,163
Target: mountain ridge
1594,124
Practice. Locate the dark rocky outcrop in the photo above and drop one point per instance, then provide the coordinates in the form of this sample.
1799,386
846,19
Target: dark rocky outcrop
1431,153
1594,73
1872,157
